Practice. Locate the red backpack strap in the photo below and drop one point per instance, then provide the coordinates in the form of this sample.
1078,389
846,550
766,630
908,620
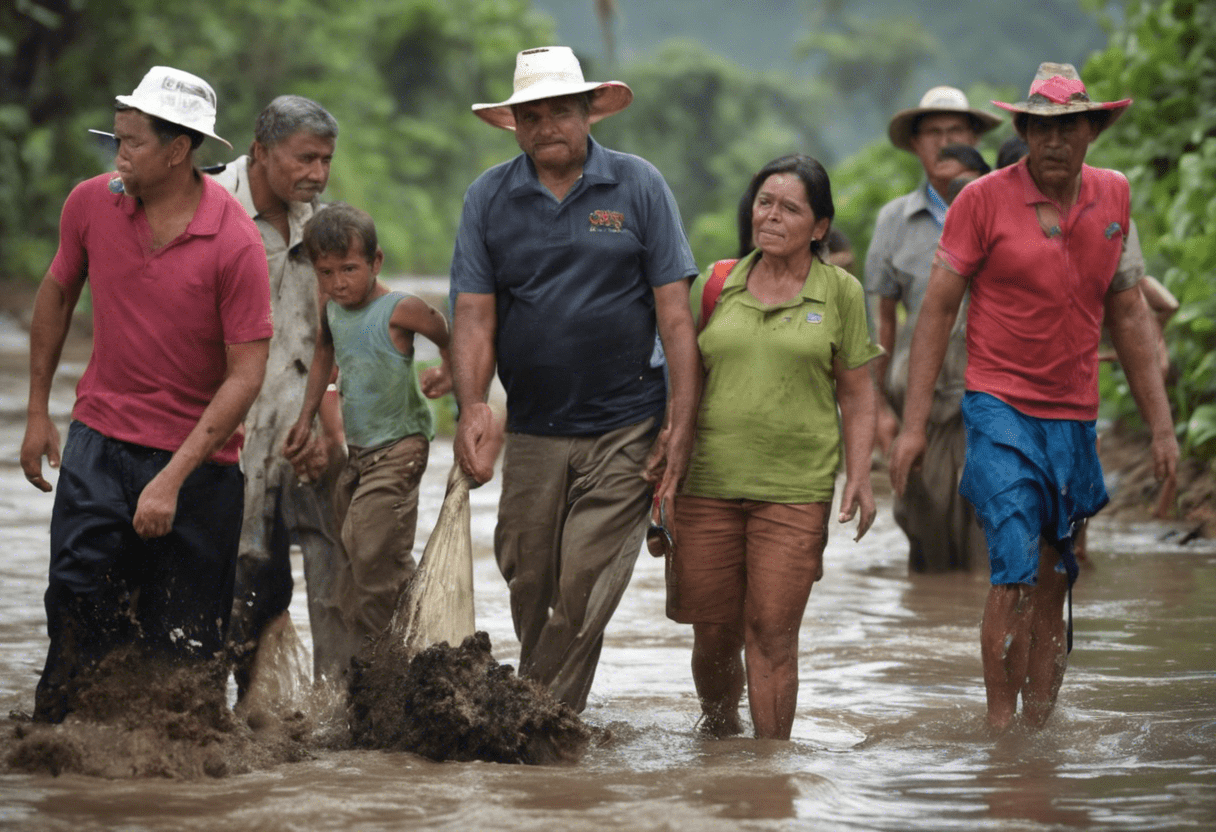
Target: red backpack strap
713,288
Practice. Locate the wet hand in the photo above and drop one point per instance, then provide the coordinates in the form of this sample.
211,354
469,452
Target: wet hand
156,508
906,454
312,461
1165,457
857,498
41,439
435,381
297,441
656,461
479,436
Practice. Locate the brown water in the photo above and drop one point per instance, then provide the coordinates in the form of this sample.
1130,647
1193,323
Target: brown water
889,732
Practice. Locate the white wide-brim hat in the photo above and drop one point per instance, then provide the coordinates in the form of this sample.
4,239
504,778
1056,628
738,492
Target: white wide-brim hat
177,97
551,72
937,100
1057,90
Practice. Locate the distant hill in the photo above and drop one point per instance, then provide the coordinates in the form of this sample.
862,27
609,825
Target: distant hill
994,42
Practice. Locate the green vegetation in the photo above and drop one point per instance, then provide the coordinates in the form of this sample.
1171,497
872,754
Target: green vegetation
400,77
1164,57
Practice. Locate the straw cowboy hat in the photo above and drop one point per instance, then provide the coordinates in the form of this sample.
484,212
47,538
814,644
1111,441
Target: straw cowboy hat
1057,90
937,100
177,97
549,72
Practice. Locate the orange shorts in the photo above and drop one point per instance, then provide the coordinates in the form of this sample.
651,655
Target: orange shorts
733,555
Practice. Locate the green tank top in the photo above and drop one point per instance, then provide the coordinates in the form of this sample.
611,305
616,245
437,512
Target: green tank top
381,398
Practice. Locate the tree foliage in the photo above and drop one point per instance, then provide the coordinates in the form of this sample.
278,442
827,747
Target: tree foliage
1164,57
398,76
708,125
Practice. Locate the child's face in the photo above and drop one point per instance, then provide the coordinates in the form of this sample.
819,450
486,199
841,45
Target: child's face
348,279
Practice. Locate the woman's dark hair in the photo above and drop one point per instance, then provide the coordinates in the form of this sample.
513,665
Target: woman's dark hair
818,195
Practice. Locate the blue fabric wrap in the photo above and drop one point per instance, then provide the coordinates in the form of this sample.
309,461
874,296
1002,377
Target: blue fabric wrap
1028,478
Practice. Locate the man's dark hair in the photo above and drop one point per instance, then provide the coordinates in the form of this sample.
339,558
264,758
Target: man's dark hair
967,156
582,100
166,131
289,114
818,195
1098,118
1011,151
332,229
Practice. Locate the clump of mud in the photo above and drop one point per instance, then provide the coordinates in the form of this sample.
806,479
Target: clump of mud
141,717
457,703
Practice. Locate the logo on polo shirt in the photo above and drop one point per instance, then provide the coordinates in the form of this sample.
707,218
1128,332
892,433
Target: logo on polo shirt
607,220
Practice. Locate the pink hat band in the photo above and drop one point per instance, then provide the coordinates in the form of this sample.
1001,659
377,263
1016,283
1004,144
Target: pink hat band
1060,90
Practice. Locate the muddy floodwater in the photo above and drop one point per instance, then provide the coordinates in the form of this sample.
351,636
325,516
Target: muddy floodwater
889,732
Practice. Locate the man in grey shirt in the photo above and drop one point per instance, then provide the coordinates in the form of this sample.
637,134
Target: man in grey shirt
942,531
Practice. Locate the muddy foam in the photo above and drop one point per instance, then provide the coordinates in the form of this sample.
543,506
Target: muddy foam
139,717
458,703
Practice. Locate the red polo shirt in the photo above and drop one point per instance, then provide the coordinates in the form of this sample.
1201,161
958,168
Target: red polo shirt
161,319
1037,301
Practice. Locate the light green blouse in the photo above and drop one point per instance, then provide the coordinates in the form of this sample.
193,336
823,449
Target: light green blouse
768,427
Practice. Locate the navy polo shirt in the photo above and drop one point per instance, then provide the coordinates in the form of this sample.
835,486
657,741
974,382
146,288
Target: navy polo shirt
574,285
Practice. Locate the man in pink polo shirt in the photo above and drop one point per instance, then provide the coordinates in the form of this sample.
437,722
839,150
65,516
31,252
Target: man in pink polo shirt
1040,245
148,510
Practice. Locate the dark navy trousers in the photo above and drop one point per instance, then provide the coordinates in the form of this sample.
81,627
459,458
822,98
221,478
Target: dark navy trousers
108,587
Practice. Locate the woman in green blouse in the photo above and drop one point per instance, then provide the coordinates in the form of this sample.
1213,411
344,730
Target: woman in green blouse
785,344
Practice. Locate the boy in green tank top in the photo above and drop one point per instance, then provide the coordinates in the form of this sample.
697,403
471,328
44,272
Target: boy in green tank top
368,331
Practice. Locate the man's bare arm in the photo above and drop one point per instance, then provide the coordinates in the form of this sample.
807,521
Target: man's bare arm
474,327
1135,339
158,502
685,375
52,319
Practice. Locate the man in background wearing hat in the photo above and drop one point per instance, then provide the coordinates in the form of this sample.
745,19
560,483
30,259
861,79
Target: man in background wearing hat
148,509
567,257
942,530
279,184
1039,244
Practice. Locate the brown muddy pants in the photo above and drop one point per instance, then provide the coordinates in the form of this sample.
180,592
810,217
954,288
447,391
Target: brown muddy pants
376,498
571,520
943,531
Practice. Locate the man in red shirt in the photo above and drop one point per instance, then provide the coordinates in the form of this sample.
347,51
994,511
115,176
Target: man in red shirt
1039,244
148,507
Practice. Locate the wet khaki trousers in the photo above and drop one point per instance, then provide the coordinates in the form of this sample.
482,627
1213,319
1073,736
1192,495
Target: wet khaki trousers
943,532
376,498
571,520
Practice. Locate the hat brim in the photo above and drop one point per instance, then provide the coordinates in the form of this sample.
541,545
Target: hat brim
610,98
1050,108
899,130
166,115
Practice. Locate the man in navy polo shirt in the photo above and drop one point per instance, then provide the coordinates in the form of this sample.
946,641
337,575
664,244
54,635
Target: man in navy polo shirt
567,258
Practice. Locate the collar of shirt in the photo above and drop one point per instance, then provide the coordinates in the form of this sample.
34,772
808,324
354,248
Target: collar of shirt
596,171
814,288
235,178
207,216
935,205
1032,194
